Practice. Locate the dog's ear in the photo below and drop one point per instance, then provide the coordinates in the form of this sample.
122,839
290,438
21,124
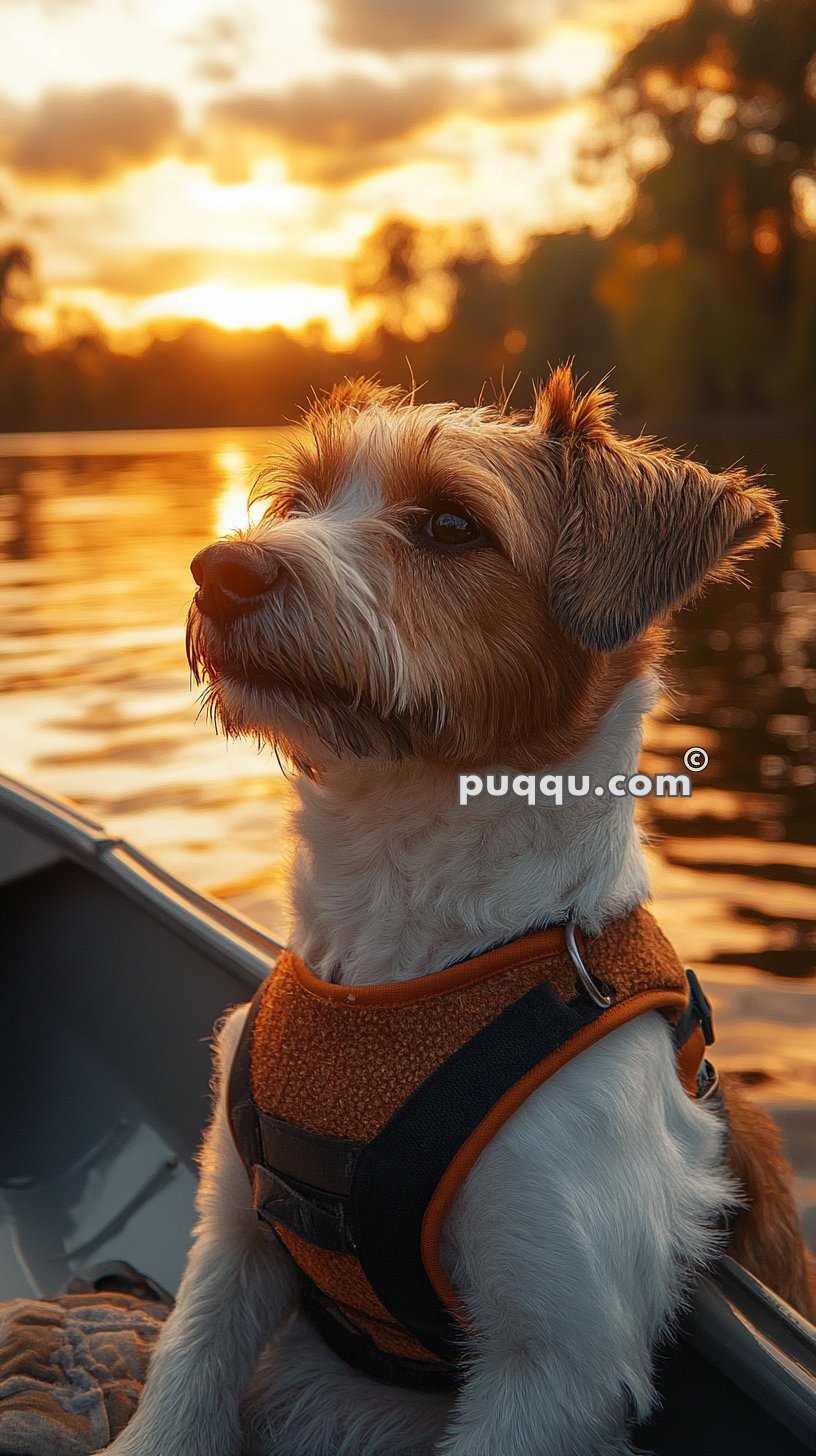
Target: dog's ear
640,529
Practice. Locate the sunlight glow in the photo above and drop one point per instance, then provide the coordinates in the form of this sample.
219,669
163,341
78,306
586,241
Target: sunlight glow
231,511
291,306
266,194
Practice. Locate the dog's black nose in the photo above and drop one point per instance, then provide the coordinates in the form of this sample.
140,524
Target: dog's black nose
231,577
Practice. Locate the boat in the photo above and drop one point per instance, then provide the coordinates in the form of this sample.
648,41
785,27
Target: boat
114,973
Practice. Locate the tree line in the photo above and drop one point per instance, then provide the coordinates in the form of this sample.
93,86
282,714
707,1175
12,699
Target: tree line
703,298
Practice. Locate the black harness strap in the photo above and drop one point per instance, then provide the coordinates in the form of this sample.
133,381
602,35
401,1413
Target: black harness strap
359,1350
318,1217
398,1172
299,1179
242,1113
324,1161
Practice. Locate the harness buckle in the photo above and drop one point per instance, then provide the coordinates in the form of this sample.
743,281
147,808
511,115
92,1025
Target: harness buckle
702,1007
708,1084
591,984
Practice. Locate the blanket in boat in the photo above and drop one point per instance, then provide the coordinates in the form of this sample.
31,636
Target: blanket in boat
72,1368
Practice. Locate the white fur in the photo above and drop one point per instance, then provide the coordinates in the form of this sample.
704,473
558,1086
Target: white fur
572,1239
603,1183
394,878
238,1288
332,556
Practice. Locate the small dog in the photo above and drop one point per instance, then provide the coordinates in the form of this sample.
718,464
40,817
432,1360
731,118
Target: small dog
436,590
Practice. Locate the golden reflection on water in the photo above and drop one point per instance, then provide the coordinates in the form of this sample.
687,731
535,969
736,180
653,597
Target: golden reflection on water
232,512
96,534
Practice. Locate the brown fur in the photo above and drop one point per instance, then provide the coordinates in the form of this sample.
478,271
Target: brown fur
766,1237
512,652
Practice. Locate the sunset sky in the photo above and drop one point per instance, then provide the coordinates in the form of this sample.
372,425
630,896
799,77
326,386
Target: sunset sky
165,159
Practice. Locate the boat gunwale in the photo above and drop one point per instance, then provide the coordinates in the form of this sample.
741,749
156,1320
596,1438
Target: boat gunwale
239,944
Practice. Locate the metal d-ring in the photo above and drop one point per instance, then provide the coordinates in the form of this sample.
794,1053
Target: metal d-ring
590,983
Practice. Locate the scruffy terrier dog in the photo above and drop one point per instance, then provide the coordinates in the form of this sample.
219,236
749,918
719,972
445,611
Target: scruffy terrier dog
431,591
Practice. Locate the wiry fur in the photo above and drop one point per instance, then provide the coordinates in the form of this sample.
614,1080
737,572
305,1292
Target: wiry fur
371,835
381,665
374,645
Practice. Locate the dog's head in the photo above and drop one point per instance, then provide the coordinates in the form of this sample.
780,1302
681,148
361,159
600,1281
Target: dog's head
469,586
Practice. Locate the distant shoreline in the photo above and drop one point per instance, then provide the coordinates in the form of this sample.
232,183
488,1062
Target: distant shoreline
751,423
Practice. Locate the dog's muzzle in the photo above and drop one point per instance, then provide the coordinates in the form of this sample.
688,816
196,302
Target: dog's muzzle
232,579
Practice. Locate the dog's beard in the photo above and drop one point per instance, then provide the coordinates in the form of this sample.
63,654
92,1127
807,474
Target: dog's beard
288,698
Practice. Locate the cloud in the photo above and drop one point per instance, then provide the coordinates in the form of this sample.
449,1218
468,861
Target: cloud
89,136
53,6
330,132
137,273
216,70
336,131
348,111
220,43
436,25
145,272
215,30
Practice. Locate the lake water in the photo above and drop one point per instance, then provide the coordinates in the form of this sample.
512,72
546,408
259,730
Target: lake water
96,533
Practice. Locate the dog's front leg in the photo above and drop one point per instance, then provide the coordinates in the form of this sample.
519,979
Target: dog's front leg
237,1289
570,1244
523,1399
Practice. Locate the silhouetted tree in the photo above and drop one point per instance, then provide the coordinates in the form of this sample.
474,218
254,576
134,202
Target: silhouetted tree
16,271
557,307
714,114
404,271
18,374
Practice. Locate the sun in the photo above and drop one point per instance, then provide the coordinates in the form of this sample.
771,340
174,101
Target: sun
231,307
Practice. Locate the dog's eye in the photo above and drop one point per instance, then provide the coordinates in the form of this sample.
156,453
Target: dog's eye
450,525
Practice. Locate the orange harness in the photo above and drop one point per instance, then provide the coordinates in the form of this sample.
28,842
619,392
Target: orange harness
359,1112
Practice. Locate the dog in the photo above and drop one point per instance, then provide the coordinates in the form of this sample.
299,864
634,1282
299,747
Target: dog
435,590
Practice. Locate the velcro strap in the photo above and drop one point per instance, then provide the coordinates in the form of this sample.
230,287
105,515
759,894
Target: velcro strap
308,1157
318,1217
